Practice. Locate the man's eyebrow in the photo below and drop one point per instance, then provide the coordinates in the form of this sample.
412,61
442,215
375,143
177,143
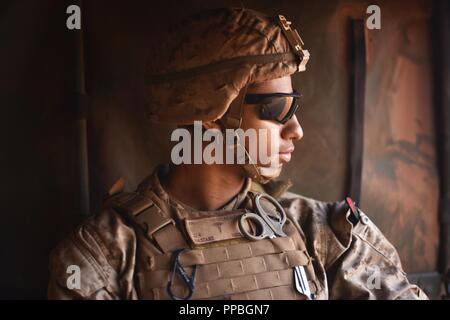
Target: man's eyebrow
274,92
253,85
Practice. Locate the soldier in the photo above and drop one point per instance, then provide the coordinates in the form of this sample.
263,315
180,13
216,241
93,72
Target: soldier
228,231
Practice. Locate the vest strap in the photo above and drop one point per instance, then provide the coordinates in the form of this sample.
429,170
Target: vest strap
156,224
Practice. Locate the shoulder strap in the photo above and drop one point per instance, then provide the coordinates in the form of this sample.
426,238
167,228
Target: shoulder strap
156,224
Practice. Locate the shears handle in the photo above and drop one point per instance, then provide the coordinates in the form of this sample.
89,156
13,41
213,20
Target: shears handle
275,225
264,229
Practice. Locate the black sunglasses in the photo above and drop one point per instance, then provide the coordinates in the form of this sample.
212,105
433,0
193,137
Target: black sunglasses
279,107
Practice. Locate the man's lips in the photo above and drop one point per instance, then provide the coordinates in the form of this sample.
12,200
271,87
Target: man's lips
285,155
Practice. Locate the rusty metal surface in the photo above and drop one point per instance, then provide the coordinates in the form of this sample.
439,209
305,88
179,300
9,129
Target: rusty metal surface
400,178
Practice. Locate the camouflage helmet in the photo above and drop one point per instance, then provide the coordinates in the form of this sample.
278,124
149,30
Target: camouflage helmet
213,55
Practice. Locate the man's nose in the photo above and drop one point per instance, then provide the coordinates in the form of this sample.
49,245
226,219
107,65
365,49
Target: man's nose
292,130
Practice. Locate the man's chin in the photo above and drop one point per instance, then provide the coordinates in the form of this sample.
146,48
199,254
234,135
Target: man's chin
272,167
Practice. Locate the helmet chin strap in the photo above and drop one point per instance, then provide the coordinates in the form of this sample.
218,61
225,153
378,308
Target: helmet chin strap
261,174
257,173
233,120
268,173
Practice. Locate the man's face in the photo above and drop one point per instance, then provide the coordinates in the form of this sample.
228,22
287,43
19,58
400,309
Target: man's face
283,135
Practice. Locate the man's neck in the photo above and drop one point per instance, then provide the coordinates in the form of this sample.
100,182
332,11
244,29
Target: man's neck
204,187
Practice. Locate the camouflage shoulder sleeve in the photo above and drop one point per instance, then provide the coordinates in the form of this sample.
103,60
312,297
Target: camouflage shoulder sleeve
358,261
96,261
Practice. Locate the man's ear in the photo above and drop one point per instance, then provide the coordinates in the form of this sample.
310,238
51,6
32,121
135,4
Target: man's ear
213,125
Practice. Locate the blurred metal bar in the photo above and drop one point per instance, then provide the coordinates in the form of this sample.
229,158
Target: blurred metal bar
356,110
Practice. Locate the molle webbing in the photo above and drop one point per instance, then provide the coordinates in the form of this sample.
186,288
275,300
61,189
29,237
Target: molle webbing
234,268
277,293
238,271
230,286
220,254
152,219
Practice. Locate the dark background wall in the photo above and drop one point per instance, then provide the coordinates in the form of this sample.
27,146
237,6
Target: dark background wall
400,184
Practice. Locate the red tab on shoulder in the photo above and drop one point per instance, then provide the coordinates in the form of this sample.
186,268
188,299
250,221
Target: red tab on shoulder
354,209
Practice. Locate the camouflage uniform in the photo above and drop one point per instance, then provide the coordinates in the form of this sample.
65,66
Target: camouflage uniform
108,250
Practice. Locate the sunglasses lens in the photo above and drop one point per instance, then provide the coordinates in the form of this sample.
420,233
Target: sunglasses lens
277,108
